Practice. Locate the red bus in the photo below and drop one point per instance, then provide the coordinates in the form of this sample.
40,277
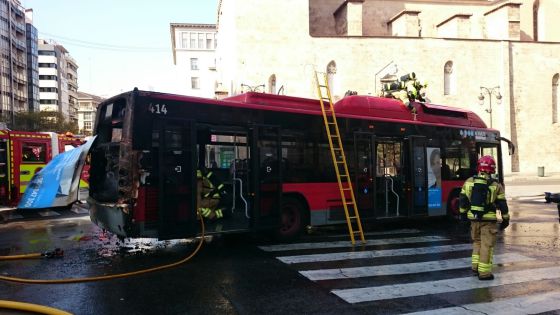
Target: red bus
271,153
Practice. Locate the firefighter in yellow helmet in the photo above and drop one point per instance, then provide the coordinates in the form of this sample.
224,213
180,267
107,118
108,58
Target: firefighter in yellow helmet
209,196
480,197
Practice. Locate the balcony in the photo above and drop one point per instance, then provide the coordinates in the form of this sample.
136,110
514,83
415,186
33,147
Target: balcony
73,85
19,61
18,10
19,28
20,45
20,95
20,78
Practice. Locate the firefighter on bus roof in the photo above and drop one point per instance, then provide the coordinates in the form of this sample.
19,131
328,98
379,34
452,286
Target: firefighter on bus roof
211,195
480,197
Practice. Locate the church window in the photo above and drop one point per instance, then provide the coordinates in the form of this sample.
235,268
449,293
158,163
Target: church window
272,84
331,74
555,98
448,79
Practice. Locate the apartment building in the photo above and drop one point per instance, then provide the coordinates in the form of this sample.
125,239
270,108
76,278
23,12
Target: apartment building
58,83
193,48
87,107
72,83
32,62
13,67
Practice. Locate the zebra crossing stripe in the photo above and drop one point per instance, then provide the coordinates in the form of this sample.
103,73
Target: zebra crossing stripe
318,245
392,232
528,304
385,292
79,210
372,254
399,269
48,213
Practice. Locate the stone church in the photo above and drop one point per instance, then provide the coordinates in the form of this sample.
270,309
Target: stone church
500,59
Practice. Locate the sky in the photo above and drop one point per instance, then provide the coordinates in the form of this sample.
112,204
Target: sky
122,44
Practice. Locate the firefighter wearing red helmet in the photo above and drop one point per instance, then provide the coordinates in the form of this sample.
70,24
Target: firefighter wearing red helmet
480,197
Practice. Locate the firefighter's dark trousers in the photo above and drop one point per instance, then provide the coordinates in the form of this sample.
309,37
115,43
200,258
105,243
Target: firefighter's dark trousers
483,234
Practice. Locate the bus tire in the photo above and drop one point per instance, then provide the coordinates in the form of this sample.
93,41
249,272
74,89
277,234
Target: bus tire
294,218
453,205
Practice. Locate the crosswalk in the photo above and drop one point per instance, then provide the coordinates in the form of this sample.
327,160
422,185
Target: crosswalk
408,266
14,215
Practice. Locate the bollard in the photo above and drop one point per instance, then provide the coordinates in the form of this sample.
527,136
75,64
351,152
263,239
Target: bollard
540,171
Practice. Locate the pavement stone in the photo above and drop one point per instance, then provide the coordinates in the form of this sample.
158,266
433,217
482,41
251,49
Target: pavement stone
527,177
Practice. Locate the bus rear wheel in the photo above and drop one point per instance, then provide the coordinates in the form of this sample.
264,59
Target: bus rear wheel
294,218
453,205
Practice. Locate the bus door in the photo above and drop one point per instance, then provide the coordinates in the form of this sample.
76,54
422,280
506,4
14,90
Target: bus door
364,173
177,176
224,151
266,176
418,175
389,178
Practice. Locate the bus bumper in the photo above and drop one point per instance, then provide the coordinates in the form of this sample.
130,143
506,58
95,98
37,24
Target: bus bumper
111,217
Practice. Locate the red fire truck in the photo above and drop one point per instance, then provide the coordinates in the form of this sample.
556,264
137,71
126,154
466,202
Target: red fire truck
22,154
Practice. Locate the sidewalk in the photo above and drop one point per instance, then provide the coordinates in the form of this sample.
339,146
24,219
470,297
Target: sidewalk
513,178
519,185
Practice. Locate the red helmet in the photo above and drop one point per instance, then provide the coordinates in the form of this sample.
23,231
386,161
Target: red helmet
486,164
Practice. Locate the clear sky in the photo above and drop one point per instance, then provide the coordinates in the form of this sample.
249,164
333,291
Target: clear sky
119,44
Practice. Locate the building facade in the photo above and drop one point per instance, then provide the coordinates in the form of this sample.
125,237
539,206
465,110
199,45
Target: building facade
193,48
508,51
72,84
87,107
58,79
32,62
13,70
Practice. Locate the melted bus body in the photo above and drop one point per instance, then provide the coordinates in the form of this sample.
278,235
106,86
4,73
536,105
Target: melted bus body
271,153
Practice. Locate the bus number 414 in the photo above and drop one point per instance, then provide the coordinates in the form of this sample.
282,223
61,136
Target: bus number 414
158,109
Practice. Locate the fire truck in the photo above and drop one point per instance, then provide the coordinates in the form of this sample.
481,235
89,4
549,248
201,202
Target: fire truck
24,153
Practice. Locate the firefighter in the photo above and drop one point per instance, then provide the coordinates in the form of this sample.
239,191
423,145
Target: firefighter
210,192
480,197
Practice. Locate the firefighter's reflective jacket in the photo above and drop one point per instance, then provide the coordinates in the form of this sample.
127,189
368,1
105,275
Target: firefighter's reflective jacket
481,196
210,193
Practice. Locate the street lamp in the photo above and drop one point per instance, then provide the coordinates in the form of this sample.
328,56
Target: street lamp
252,88
494,91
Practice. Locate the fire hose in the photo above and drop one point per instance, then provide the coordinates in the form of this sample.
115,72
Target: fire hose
57,253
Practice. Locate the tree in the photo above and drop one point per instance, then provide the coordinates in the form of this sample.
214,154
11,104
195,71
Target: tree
44,121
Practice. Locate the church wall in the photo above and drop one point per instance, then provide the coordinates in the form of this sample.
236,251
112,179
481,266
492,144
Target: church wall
535,65
275,42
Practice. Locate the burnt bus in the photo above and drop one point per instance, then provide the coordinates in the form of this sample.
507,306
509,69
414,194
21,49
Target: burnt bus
272,155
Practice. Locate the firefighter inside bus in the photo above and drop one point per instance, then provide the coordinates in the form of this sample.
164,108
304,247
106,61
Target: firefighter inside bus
213,197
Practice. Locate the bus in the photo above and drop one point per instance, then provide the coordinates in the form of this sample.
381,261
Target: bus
271,153
24,153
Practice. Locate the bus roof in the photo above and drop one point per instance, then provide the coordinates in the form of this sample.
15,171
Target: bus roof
355,106
378,108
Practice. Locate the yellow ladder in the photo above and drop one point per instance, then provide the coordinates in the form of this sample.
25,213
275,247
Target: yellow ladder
339,159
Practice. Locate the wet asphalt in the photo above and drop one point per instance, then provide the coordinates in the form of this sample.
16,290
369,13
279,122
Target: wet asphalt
232,275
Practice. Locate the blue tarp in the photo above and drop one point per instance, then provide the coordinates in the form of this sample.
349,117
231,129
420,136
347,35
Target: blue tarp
57,183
